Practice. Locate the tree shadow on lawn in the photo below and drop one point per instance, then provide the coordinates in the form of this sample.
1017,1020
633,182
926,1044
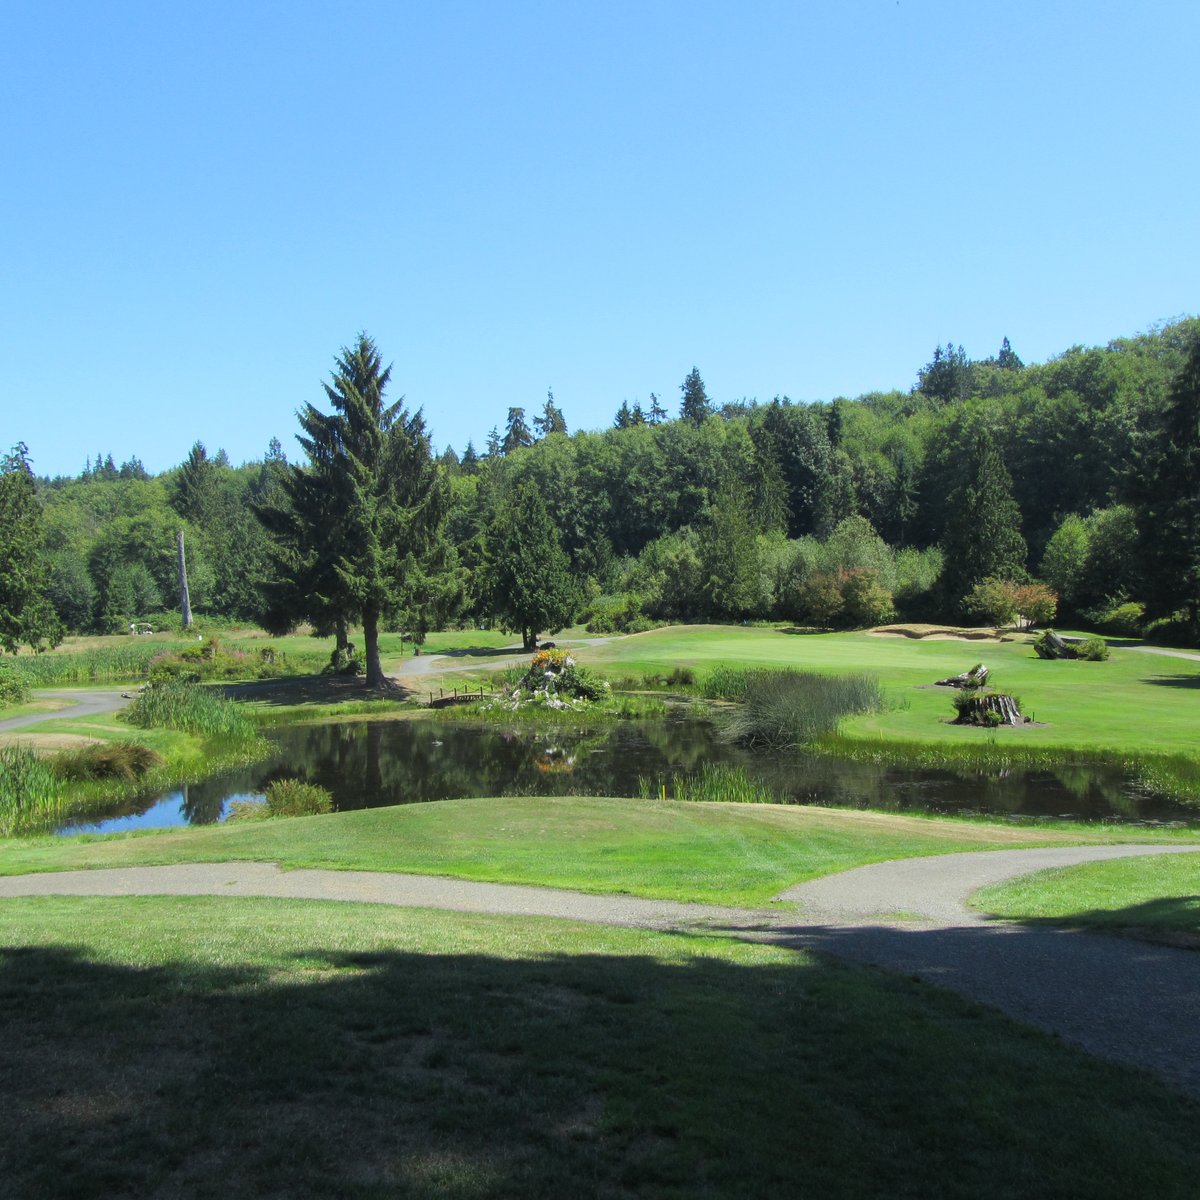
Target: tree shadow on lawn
1169,921
471,1075
481,652
1174,681
313,689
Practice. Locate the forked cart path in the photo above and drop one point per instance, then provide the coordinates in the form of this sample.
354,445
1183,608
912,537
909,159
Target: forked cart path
1121,999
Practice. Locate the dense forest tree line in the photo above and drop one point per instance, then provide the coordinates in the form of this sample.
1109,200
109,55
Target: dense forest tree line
1081,471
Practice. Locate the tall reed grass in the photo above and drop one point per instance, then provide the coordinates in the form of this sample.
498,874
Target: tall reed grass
715,782
783,709
192,709
32,798
104,664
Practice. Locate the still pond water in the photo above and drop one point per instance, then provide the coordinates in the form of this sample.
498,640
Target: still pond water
375,763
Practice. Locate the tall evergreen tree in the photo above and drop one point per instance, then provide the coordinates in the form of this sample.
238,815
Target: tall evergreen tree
983,527
26,615
1007,359
195,496
469,463
1165,489
516,434
695,406
658,413
948,376
530,587
730,562
551,419
624,417
368,509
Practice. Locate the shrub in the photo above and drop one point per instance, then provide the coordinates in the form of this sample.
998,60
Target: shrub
992,601
819,599
1170,631
13,689
1092,649
865,601
297,798
109,760
344,661
1035,603
1122,619
616,614
191,708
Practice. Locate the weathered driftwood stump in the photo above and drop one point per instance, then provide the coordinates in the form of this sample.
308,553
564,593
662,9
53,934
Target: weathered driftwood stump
976,677
993,709
1050,645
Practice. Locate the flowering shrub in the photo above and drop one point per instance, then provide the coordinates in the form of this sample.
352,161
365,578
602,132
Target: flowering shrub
554,680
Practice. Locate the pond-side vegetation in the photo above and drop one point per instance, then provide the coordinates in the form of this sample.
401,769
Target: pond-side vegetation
368,764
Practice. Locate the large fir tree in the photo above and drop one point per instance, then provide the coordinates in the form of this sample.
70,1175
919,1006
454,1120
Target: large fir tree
530,587
1165,488
983,526
367,512
26,615
695,406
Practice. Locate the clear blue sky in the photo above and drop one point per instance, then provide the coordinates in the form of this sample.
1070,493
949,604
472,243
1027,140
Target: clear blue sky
202,202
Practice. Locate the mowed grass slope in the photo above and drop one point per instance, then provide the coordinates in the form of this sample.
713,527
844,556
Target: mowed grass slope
1134,704
709,853
241,1048
1153,898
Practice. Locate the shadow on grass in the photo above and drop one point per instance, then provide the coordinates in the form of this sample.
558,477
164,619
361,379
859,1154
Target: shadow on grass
1170,921
313,689
481,652
473,1075
1174,681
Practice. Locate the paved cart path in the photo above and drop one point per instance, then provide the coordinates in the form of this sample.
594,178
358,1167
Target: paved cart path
1121,999
83,703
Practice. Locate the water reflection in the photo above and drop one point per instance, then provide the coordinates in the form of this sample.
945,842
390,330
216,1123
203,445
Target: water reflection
375,763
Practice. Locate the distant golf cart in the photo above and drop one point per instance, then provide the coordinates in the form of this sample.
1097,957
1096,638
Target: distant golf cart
140,627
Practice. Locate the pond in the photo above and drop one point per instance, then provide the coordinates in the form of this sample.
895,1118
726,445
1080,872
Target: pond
368,764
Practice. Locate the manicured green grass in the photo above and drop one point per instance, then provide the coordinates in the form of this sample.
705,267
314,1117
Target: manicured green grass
1132,706
237,1048
714,853
33,706
1155,898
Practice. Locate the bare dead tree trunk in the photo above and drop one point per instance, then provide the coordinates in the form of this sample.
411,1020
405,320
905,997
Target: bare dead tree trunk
185,603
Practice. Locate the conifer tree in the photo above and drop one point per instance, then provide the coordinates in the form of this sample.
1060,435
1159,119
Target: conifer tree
517,432
364,532
983,526
1165,489
658,413
530,585
695,406
26,615
551,419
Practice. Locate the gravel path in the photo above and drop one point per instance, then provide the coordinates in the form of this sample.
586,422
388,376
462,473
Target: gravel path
1164,653
1123,1000
84,703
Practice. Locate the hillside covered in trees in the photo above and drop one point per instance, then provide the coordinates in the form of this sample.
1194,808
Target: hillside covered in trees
949,500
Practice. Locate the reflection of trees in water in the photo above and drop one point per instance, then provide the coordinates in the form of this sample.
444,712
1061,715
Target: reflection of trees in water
373,763
204,802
